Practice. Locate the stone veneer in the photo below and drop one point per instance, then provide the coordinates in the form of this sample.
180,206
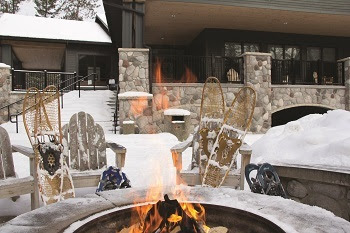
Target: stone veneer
133,70
5,88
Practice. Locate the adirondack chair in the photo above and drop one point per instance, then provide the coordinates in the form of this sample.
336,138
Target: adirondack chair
192,177
10,185
85,149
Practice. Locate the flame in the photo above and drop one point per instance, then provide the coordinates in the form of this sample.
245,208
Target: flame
158,71
188,77
137,106
174,218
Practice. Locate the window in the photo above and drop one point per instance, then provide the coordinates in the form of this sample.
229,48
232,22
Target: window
232,49
284,52
276,51
313,54
329,54
251,47
101,65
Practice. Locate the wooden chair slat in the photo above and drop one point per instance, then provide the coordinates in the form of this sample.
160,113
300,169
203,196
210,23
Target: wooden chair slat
6,155
73,142
91,135
101,146
82,137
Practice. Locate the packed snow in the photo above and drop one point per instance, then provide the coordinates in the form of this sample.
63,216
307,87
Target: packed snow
15,25
134,94
322,141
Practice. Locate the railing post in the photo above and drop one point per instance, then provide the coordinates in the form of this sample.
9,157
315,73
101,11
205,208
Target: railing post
75,80
79,87
94,77
8,113
61,98
45,79
13,79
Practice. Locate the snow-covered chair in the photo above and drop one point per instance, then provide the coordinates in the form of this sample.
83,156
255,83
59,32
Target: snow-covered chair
10,185
85,149
192,177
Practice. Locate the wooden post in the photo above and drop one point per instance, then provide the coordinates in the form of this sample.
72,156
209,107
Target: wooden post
246,153
35,194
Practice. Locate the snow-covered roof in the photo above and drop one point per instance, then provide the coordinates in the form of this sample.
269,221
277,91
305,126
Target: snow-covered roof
14,25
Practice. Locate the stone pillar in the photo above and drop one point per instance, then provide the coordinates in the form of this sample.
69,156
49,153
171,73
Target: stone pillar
257,74
5,89
346,70
133,70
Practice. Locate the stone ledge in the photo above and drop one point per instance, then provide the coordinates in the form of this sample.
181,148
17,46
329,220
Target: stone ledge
255,54
194,85
309,86
4,66
133,50
344,59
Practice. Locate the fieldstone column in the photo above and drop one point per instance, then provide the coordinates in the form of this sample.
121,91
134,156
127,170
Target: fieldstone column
346,70
257,74
133,69
5,89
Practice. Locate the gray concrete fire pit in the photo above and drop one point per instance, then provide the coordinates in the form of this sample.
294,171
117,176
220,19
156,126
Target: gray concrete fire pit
69,215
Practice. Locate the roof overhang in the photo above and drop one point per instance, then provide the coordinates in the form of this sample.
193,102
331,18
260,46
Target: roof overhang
179,22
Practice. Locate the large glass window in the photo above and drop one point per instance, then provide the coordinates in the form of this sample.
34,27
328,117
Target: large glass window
233,49
276,51
291,52
313,54
284,52
329,54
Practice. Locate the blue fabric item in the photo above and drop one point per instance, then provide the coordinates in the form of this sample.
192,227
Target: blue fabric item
113,178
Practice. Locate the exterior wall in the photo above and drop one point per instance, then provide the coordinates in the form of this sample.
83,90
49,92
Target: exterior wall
292,95
327,189
133,70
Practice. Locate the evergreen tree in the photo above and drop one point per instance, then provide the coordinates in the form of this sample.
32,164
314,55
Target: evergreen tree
79,9
10,6
48,8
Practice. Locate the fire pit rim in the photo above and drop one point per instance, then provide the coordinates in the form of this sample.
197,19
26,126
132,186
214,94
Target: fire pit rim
76,226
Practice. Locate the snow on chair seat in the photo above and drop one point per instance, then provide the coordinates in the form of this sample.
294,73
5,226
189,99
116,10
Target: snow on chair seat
10,185
85,149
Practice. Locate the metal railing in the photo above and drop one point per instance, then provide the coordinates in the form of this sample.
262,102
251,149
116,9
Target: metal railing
64,86
307,72
196,69
24,79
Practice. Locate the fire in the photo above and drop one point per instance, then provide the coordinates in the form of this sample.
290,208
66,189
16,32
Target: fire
158,71
138,106
188,77
174,218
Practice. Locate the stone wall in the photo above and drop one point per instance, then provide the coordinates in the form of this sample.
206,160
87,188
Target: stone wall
327,189
257,73
5,88
284,96
133,70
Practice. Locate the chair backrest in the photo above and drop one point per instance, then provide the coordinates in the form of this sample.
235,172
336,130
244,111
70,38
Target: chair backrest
7,168
84,143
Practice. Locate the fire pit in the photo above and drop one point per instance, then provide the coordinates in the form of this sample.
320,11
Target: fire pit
235,220
224,206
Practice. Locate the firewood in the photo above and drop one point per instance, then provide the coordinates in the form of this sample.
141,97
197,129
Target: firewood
176,229
218,230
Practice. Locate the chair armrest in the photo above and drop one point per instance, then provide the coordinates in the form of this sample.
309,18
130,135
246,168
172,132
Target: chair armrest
181,147
119,151
246,153
27,151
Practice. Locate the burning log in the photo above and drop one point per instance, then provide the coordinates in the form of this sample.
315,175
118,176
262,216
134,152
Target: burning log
169,216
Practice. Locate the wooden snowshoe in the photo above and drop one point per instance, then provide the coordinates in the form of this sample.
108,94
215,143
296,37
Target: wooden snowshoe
230,137
42,121
211,118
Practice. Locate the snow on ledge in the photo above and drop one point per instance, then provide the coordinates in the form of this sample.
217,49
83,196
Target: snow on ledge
3,65
135,95
176,112
128,122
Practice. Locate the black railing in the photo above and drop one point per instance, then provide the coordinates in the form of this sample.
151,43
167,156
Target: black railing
24,79
196,69
63,86
115,114
307,72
